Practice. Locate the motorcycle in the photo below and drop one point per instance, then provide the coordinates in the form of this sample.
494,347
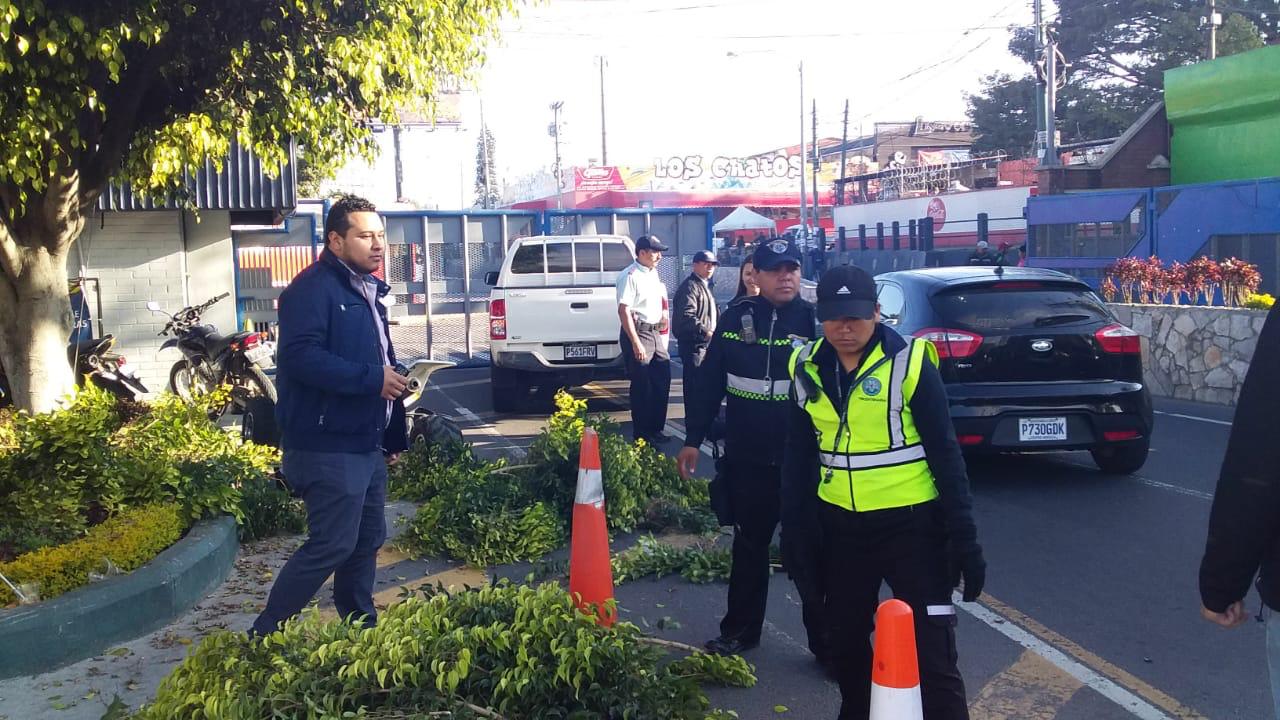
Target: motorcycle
424,425
94,363
211,360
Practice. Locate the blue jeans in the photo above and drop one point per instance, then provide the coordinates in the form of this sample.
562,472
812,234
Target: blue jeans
346,497
1273,656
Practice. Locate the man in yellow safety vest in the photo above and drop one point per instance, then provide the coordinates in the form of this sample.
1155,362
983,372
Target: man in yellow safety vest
874,489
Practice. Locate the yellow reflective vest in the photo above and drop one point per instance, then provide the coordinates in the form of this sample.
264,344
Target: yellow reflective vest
872,459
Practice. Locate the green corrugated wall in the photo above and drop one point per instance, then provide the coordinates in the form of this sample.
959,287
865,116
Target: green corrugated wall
1226,117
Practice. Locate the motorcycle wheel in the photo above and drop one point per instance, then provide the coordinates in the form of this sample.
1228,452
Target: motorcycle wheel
435,429
260,385
186,382
259,422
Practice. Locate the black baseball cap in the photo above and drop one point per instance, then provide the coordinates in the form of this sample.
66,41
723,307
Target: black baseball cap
705,256
650,242
846,291
773,253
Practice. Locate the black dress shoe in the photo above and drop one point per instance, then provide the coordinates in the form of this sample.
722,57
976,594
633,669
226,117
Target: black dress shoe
658,439
731,645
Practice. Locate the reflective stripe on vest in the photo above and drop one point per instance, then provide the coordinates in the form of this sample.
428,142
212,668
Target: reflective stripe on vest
888,458
880,462
757,388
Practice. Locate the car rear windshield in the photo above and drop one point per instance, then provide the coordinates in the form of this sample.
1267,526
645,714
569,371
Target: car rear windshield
1015,305
528,259
616,257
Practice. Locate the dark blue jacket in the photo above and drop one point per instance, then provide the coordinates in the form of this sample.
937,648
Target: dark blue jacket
330,370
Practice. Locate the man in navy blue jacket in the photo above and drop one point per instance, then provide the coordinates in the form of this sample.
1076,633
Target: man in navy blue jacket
339,412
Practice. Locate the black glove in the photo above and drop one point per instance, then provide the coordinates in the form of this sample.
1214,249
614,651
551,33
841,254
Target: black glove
967,562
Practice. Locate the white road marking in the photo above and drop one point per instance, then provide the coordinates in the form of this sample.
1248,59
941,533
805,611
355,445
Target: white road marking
1194,417
484,427
489,429
1174,488
1104,686
460,383
1202,495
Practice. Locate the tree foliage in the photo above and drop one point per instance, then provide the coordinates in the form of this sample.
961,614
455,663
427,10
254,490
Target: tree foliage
1118,51
145,90
148,89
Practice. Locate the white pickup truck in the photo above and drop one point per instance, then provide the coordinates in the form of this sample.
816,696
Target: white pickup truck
553,315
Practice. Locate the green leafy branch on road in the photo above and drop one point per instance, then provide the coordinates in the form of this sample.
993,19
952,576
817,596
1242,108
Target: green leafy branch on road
651,557
490,513
509,651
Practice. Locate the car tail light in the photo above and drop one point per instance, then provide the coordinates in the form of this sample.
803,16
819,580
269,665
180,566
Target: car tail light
1121,435
970,439
1119,340
497,319
951,343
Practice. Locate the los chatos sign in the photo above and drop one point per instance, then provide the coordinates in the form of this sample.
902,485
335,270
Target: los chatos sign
696,167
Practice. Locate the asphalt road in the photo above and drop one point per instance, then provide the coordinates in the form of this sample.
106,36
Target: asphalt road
1091,610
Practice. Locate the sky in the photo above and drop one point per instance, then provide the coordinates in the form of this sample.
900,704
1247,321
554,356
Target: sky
721,77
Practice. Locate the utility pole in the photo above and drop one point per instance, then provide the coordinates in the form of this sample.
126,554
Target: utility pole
804,220
844,150
816,166
1038,144
554,131
604,147
1210,22
1051,158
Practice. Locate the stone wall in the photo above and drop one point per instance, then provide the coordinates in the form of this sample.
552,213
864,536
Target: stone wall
1194,353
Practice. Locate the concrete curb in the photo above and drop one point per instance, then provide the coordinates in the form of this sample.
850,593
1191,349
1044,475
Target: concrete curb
87,621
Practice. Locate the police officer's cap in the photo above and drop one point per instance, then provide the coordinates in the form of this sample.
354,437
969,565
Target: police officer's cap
774,253
846,291
650,242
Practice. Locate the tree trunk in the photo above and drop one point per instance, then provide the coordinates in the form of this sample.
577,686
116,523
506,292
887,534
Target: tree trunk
34,330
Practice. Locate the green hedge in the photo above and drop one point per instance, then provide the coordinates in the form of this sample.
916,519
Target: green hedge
62,473
129,540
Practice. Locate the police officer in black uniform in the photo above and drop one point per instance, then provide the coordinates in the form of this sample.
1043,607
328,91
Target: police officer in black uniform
747,361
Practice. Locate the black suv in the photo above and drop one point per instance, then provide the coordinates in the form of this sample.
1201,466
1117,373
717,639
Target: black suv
1033,360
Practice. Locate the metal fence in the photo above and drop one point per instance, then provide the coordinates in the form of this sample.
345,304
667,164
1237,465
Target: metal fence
436,263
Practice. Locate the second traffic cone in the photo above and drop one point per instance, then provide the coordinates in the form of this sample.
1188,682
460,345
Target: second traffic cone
895,672
590,575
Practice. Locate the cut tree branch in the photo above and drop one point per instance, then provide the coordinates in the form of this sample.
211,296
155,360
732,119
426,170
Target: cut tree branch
671,644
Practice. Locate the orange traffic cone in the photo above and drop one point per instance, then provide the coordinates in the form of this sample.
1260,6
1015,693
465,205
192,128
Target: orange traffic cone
590,576
895,674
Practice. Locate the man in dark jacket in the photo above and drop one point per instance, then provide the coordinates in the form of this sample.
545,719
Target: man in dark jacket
1244,524
694,316
874,490
747,361
339,411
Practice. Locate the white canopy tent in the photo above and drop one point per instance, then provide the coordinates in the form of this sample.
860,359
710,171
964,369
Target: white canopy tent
743,219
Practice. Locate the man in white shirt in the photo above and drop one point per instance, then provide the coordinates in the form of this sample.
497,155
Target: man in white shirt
640,298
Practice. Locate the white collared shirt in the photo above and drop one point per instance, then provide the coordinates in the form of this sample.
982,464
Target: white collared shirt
642,291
